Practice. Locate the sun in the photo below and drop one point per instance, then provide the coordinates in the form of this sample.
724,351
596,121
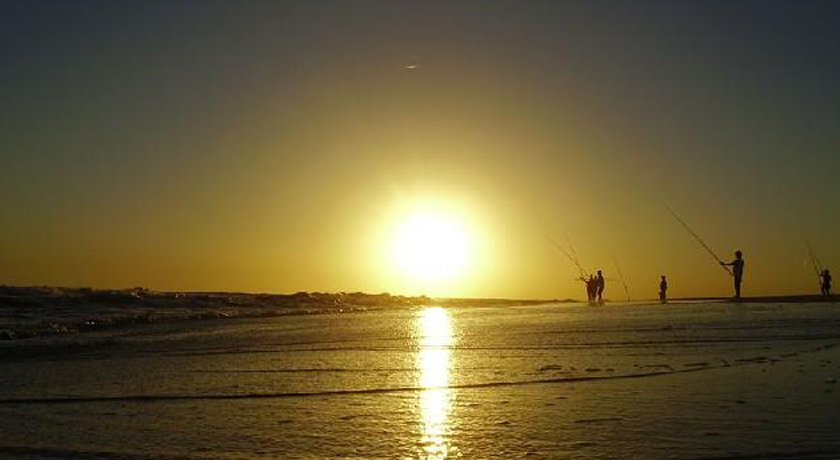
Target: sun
432,246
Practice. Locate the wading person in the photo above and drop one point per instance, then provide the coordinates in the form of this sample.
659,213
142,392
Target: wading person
663,288
599,286
825,286
737,271
590,289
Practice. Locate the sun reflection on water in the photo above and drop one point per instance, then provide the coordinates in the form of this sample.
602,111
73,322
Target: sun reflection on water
435,330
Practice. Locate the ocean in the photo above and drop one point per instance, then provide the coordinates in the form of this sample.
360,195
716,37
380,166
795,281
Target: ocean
554,381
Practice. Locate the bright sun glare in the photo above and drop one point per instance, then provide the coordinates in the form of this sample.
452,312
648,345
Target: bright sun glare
432,246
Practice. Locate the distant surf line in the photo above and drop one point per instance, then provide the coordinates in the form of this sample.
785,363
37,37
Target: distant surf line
12,355
372,391
46,452
562,346
42,452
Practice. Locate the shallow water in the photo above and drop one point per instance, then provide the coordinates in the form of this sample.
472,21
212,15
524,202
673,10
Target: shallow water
644,381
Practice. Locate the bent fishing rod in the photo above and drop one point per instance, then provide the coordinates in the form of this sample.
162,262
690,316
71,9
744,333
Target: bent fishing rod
815,262
568,256
699,240
621,275
573,252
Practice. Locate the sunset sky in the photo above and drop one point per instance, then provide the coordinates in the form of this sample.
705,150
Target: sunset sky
289,146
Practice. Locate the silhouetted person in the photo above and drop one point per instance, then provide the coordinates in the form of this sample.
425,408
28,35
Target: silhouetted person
663,288
737,272
590,288
586,285
825,286
599,286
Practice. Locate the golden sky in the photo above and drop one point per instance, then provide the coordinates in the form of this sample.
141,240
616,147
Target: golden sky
280,148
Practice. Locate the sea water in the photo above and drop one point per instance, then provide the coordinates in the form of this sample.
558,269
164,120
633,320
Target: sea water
683,381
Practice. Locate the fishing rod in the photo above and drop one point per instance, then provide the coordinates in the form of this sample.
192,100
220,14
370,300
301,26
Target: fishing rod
575,254
621,275
577,258
568,256
572,250
815,262
699,240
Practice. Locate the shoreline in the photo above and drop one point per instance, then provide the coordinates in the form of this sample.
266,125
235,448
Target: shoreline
795,298
38,311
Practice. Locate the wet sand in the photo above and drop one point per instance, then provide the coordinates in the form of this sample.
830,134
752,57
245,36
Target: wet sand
797,298
617,382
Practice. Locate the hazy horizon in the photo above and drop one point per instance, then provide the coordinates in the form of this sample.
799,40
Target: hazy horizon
268,147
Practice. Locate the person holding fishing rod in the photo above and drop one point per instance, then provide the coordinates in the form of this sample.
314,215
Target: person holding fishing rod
663,290
599,287
588,280
737,265
591,288
826,283
737,271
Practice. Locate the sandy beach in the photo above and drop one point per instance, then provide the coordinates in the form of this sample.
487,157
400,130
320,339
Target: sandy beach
691,381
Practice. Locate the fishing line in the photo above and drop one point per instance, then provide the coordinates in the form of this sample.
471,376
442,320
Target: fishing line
621,275
568,256
699,240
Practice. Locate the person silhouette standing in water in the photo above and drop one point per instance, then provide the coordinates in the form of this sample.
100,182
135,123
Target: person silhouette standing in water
590,288
663,287
599,286
737,272
825,286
